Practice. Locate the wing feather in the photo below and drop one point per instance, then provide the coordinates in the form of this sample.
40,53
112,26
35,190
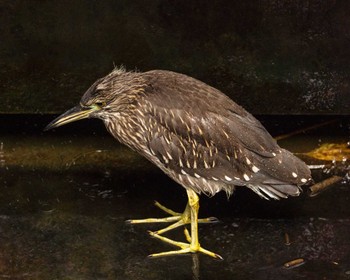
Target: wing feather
201,132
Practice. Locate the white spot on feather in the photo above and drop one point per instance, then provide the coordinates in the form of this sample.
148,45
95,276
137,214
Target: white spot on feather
255,169
189,180
294,175
181,119
140,112
196,175
183,172
228,178
303,180
169,156
167,140
246,177
226,134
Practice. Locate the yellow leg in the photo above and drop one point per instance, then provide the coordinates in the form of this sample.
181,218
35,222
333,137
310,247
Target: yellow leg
178,219
193,246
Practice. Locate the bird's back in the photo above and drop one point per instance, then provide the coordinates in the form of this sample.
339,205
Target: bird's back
205,141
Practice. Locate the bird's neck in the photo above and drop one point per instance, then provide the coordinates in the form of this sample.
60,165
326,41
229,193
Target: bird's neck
126,130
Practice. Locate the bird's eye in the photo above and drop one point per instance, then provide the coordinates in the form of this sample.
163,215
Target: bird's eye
100,104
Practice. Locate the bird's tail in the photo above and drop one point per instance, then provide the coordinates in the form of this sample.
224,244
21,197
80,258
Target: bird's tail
276,191
282,176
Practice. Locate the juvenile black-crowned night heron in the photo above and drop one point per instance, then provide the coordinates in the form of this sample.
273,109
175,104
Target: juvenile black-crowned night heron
194,133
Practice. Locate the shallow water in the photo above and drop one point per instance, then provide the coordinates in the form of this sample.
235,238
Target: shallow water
65,196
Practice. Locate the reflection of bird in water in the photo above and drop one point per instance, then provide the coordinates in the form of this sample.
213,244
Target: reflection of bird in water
196,135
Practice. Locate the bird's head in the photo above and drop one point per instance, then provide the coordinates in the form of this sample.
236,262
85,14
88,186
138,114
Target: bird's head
107,96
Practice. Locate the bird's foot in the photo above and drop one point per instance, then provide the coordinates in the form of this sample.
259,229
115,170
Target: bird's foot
185,248
179,219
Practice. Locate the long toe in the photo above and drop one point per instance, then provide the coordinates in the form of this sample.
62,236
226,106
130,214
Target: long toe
177,219
185,248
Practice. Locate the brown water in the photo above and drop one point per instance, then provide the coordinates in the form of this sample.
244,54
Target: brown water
65,195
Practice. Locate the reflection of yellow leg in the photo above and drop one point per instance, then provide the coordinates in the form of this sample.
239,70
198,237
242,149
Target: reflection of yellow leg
178,218
193,246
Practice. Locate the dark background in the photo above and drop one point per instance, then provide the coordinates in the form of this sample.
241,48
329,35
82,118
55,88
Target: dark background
270,56
65,194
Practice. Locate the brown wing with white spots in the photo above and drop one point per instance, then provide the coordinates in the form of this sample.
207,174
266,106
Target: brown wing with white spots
197,131
190,154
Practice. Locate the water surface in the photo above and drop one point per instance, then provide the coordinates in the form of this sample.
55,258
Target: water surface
65,196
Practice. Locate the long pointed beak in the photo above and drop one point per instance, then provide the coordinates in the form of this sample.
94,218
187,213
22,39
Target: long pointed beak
72,115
